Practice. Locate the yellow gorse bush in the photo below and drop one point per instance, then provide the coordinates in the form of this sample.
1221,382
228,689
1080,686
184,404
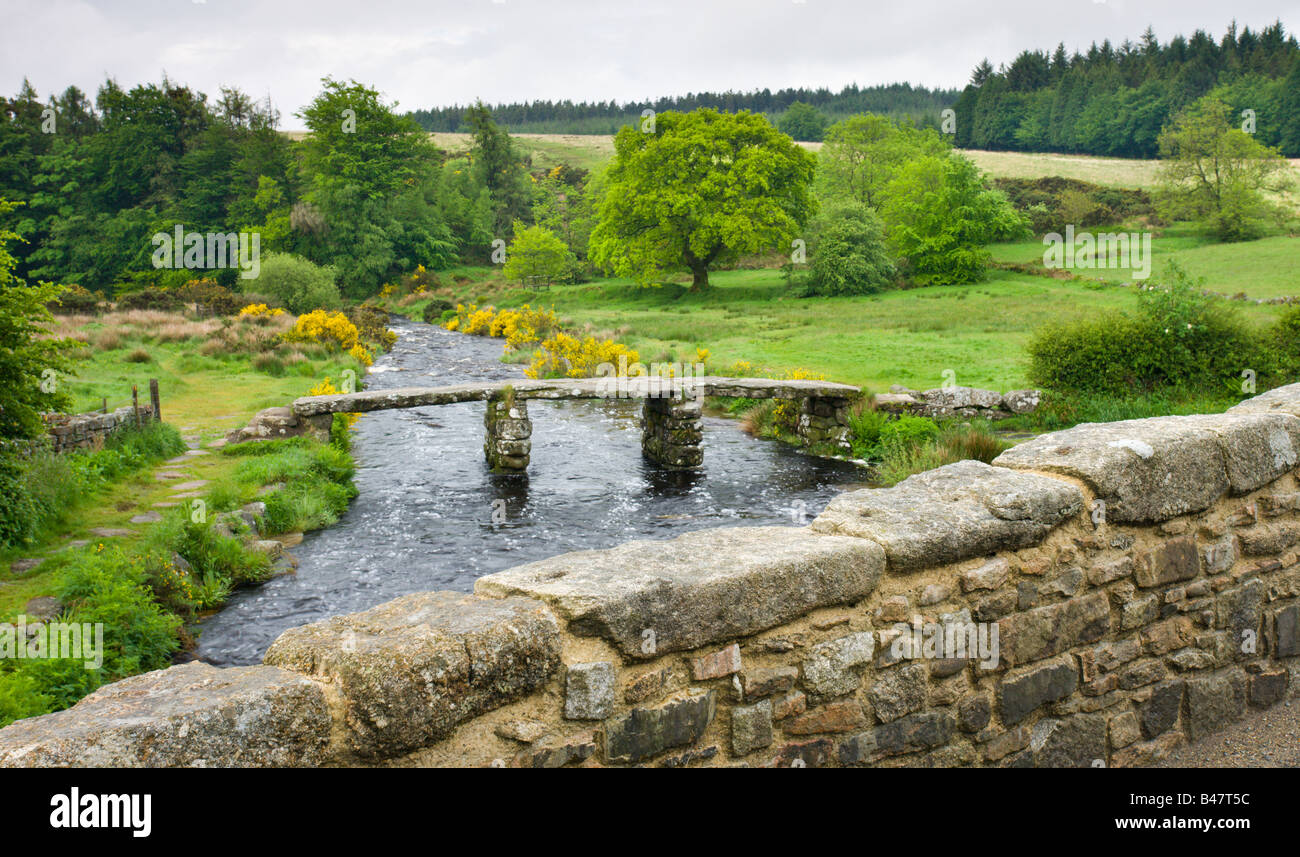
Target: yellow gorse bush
261,309
359,353
566,356
325,327
520,327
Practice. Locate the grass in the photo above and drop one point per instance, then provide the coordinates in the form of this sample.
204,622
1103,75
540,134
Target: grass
1260,269
202,396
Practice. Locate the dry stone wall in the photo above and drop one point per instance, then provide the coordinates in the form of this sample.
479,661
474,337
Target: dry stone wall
1097,596
69,432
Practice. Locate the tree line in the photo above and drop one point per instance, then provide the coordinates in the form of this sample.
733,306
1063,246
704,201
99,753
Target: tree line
606,117
1114,101
365,193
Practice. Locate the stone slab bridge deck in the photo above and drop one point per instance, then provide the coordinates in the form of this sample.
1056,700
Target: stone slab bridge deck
671,434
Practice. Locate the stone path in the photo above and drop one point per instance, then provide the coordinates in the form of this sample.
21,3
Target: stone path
182,486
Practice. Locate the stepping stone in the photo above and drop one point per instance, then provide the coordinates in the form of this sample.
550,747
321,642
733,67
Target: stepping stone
44,608
217,444
180,459
111,532
185,495
75,543
147,518
193,452
21,566
193,485
168,475
165,505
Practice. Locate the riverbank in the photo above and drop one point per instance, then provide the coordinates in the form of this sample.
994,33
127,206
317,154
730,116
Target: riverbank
152,548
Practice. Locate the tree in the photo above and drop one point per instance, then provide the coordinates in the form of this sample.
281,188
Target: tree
375,181
701,189
862,153
803,122
30,360
537,252
849,254
939,216
1218,174
498,167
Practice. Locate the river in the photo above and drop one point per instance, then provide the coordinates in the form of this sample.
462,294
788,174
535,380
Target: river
424,516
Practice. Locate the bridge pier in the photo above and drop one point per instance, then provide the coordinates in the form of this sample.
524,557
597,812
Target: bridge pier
508,444
824,419
671,434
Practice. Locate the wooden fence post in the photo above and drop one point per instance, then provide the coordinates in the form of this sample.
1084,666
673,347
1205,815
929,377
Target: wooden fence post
153,400
135,403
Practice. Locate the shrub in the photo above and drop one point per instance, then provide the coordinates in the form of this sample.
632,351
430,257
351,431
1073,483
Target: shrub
372,325
566,356
907,432
434,310
1285,339
331,328
849,256
259,311
1180,337
138,355
297,283
77,299
148,298
210,297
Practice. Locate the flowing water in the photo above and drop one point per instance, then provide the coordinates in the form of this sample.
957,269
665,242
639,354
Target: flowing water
424,517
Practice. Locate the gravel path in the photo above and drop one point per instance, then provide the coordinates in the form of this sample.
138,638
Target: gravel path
1262,739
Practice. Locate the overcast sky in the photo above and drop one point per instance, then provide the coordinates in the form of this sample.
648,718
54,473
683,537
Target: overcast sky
426,53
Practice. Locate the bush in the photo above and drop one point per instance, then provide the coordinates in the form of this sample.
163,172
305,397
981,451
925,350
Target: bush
148,298
297,283
1285,339
849,255
435,311
372,325
330,328
1180,337
77,299
210,297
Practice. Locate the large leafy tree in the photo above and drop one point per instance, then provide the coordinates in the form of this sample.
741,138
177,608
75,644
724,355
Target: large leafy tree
939,217
698,190
375,178
1216,173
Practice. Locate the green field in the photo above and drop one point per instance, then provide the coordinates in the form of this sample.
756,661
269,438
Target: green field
1266,268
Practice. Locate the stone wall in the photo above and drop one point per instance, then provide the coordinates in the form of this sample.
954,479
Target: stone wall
89,431
1142,579
672,433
